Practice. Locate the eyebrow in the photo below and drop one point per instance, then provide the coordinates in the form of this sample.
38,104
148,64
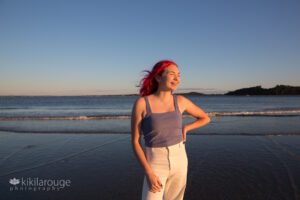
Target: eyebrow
173,71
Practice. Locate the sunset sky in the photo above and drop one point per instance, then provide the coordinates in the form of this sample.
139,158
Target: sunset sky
60,47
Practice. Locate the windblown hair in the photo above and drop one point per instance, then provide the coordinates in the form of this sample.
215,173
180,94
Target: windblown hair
148,84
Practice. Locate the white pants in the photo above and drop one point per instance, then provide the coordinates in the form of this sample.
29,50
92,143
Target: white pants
170,165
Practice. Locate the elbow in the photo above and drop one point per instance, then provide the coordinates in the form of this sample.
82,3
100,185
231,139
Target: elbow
207,119
135,142
204,120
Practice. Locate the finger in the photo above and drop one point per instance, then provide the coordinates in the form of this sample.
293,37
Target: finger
154,190
156,187
159,183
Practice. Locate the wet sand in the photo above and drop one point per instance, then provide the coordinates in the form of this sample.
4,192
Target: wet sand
103,166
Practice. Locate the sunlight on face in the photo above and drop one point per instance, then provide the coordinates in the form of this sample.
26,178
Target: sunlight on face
171,77
172,73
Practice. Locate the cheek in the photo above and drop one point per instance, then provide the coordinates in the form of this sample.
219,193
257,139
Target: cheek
165,79
169,78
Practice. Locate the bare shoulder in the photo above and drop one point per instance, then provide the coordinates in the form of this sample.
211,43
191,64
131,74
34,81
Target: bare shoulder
139,106
181,98
139,103
191,108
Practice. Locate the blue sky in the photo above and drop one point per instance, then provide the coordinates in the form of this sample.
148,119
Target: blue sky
60,47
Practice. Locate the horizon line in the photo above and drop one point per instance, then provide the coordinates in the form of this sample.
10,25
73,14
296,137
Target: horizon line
200,91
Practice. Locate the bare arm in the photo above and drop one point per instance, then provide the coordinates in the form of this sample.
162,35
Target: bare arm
195,111
136,118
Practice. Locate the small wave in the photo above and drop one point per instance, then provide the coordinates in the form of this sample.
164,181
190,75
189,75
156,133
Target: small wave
41,131
282,109
259,113
14,108
101,117
57,108
275,113
15,130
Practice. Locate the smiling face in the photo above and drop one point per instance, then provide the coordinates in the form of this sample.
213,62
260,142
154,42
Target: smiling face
170,78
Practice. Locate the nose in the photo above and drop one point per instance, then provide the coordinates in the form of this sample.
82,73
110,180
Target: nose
177,78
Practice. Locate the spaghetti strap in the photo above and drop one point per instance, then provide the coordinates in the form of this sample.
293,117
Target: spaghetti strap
175,103
147,106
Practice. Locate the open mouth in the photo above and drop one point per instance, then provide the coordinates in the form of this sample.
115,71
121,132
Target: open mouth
173,84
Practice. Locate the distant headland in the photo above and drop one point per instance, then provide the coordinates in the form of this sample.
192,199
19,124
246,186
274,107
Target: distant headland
258,90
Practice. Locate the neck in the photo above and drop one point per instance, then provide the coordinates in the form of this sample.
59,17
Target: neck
163,95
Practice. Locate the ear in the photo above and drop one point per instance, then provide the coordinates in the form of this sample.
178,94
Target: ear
157,78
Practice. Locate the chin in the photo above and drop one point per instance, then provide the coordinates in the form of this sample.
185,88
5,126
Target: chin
172,87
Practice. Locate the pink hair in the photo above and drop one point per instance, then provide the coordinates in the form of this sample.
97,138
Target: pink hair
148,83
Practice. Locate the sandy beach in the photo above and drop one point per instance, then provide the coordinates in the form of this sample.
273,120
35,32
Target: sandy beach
103,166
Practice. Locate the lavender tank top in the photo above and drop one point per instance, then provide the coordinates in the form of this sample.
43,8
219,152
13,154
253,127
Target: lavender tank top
162,129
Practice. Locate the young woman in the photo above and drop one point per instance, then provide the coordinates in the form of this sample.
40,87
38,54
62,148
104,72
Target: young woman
157,114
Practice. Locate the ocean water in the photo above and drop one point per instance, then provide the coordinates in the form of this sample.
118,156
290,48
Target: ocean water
250,150
231,115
